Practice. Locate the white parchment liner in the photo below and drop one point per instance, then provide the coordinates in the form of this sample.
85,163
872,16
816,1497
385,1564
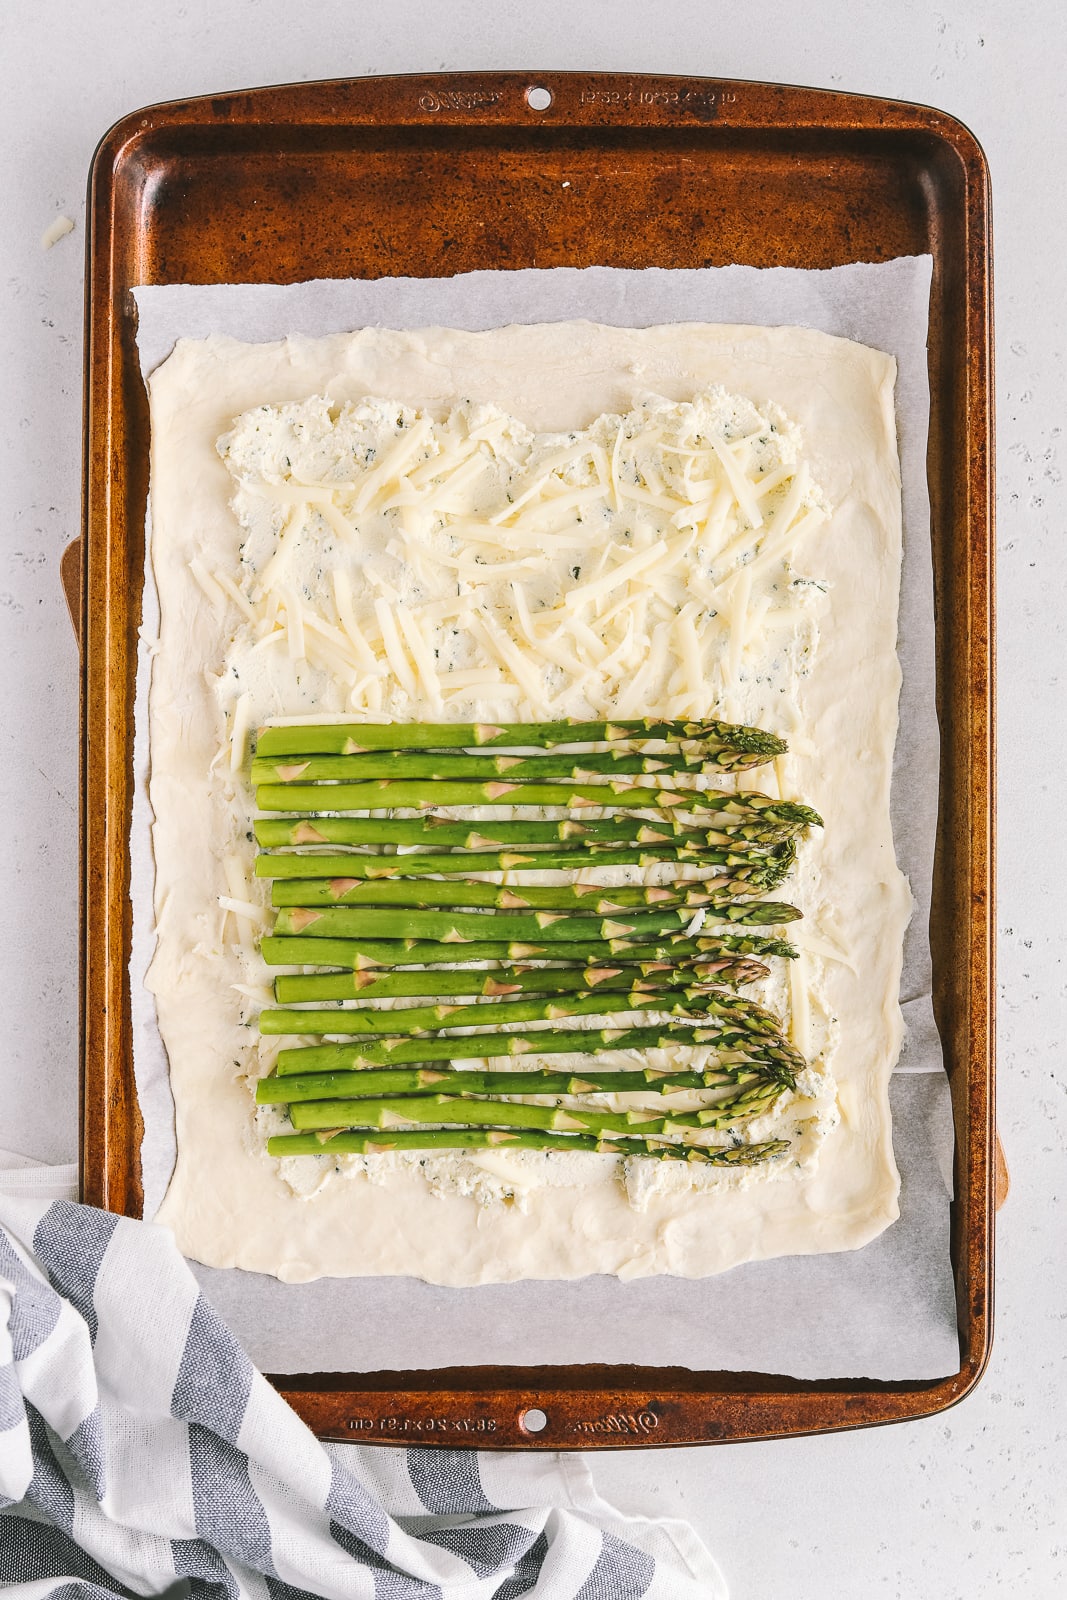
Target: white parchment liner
887,1311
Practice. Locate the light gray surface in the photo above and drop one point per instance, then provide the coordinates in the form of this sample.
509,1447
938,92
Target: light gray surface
968,1504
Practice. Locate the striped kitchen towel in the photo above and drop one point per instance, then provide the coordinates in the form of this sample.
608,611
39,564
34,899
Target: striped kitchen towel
141,1454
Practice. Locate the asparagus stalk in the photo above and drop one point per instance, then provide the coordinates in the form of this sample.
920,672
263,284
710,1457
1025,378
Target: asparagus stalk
653,975
740,1048
341,1021
399,766
421,1080
344,1141
422,796
309,1115
550,927
593,899
436,832
778,858
362,955
354,738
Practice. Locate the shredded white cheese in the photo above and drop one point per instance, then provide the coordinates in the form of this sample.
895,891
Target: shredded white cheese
242,717
57,229
588,572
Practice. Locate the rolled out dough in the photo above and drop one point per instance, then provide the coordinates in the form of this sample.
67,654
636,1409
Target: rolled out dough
226,1203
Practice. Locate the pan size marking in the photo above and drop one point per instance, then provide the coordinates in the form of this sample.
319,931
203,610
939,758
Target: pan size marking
704,101
393,1425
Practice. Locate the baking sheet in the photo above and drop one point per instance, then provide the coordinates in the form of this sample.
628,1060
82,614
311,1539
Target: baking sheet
886,1312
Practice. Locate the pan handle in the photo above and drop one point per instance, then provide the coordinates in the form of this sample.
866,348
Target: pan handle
70,576
1001,1176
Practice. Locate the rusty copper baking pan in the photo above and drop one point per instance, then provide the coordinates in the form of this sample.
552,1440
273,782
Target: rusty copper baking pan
434,175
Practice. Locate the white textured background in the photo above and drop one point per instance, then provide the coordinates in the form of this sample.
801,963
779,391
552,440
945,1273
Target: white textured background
970,1504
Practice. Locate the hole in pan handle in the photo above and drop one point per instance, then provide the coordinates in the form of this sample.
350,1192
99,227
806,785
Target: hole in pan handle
533,1421
538,98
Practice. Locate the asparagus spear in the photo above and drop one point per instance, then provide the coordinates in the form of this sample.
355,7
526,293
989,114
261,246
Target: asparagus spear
360,955
421,796
436,832
550,927
400,765
749,1100
339,1021
752,1102
369,987
308,1115
343,1141
592,899
740,1048
353,738
778,857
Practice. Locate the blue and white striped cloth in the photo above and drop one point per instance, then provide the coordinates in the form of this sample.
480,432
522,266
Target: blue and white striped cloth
141,1453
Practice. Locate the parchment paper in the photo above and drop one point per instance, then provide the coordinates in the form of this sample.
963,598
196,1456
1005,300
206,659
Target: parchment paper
887,1311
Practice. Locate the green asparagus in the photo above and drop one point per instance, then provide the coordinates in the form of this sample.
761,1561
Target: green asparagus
399,766
339,1021
361,955
747,1097
344,1141
651,975
435,832
593,899
308,1115
354,738
423,796
773,861
461,927
739,1048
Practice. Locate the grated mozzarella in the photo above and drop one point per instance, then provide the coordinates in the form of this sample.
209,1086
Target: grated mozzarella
393,648
408,563
242,720
800,1002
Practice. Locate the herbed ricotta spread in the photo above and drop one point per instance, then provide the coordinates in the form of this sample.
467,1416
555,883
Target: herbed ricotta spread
535,523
